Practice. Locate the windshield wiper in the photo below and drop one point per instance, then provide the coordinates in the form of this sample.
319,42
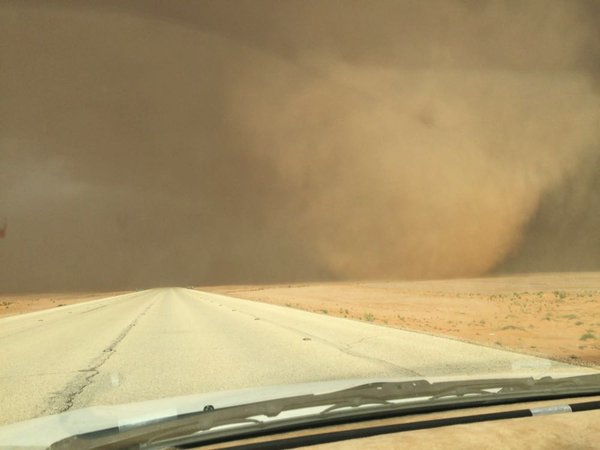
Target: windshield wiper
388,397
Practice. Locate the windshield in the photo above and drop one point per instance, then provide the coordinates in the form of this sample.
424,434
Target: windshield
213,196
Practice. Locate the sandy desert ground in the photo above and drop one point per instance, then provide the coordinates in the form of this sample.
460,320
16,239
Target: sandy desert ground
551,315
25,303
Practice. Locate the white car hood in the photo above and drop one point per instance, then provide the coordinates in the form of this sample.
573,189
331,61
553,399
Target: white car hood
42,432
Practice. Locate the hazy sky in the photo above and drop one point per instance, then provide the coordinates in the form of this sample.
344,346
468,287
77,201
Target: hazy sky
148,143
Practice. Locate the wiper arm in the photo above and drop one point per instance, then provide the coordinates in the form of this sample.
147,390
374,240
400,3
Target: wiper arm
380,394
385,393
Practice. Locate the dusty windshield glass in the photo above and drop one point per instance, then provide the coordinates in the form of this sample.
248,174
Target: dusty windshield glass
198,197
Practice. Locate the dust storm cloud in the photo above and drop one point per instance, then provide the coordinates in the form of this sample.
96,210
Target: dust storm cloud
168,143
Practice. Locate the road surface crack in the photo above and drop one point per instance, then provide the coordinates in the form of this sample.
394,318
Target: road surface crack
63,400
348,348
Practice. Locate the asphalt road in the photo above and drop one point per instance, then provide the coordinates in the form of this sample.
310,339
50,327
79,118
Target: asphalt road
173,341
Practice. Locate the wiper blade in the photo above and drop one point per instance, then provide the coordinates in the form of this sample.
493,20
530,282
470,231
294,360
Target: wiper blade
386,392
380,395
